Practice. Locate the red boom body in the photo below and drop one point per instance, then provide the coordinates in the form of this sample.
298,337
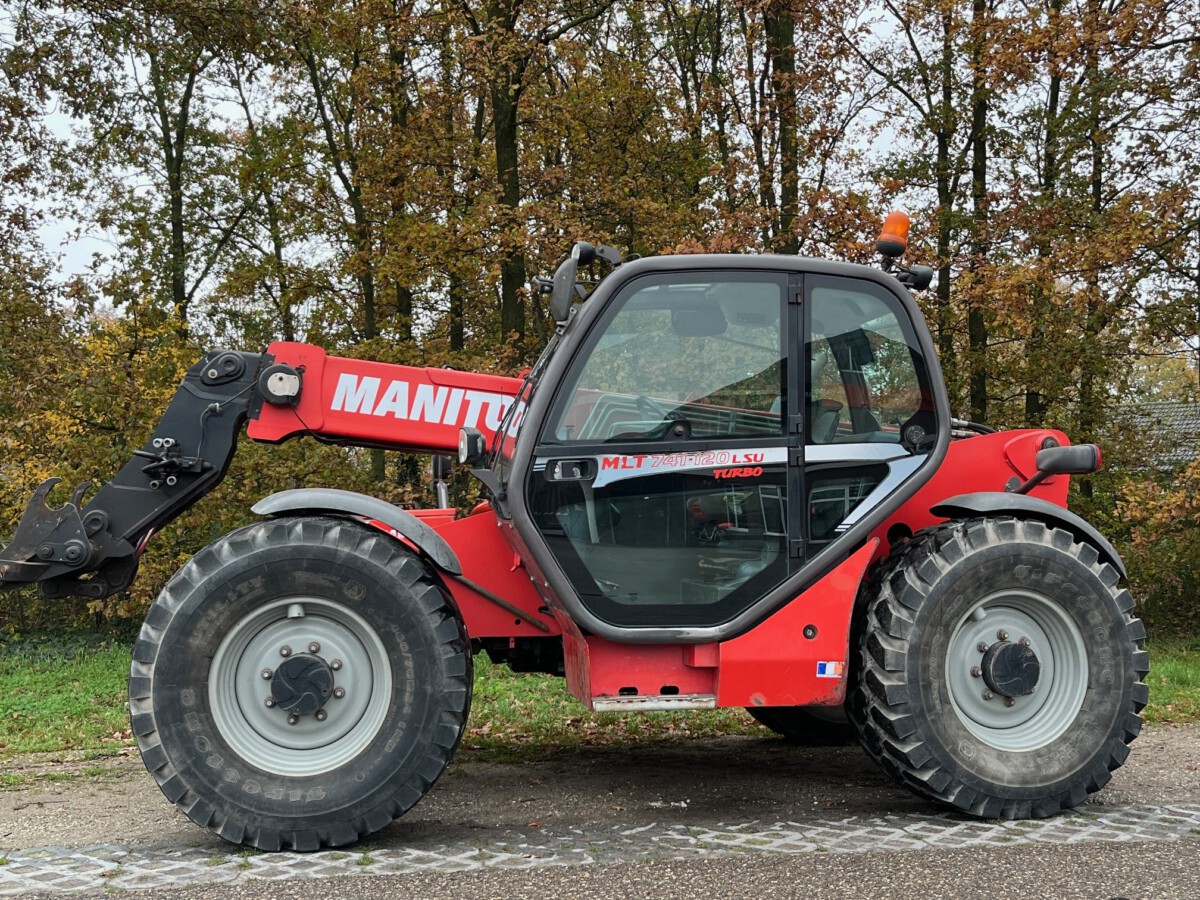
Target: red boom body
397,407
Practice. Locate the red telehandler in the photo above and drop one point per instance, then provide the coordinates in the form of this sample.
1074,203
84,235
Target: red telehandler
728,481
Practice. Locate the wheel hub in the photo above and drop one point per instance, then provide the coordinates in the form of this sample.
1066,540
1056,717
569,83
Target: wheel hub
1011,669
1017,669
302,684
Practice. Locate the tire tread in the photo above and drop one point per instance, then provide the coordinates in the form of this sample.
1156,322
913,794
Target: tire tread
429,600
881,707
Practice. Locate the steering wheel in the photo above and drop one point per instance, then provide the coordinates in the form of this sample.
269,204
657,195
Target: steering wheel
669,419
652,409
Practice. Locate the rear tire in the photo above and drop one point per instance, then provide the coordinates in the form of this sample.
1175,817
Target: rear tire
345,737
949,619
802,726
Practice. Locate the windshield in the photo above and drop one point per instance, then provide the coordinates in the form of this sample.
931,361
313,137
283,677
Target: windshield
680,357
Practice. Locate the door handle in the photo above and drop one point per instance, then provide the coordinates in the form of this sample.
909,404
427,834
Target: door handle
571,469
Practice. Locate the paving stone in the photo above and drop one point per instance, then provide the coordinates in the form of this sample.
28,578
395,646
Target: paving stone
68,870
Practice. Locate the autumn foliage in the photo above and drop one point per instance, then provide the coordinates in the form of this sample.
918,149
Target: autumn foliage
382,177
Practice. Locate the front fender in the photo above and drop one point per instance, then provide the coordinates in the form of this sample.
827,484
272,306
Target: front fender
337,502
991,503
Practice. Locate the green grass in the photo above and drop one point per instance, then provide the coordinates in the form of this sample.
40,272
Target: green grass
63,696
520,715
67,693
1174,681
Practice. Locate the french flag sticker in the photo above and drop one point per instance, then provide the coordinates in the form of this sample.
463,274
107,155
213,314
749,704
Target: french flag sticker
830,669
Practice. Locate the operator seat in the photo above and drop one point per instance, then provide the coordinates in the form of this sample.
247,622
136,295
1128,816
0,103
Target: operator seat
825,416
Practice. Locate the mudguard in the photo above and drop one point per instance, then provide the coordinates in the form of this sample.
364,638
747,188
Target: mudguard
337,502
1000,504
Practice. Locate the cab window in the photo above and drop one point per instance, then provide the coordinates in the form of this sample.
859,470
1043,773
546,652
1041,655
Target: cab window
682,359
867,376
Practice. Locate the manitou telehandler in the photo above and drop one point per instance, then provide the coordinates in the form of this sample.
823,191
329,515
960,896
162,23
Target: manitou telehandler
728,481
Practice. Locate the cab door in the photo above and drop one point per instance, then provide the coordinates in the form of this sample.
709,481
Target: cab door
871,403
662,475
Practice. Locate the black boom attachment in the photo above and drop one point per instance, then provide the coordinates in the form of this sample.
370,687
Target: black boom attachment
185,458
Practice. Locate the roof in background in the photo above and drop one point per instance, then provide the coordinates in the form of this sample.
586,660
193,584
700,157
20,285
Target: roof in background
1174,428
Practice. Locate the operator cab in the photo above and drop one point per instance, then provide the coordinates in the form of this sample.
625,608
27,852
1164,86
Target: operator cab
708,426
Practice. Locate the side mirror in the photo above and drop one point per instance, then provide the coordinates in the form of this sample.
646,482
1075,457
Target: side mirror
443,466
1077,459
563,292
920,277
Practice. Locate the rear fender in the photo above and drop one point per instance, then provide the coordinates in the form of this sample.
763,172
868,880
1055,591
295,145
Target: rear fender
1025,507
376,512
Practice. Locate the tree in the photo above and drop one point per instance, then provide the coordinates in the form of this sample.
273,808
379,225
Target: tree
511,35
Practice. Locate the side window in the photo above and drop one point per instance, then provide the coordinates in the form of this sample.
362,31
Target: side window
682,357
832,496
867,378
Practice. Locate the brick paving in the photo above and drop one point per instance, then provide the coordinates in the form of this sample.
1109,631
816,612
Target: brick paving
66,869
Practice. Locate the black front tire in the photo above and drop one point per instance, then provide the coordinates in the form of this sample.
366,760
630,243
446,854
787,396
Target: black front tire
356,608
929,717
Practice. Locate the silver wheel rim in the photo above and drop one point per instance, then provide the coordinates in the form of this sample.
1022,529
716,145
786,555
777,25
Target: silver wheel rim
238,689
1033,720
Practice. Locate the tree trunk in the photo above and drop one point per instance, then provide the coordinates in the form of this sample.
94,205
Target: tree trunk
1035,348
1091,360
506,97
781,40
173,131
977,331
457,291
399,114
945,216
177,262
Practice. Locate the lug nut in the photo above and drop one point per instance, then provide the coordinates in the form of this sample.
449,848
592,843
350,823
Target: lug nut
976,671
321,715
1002,635
987,695
267,674
981,647
314,647
335,665
293,719
1010,702
1023,641
270,703
285,651
339,693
